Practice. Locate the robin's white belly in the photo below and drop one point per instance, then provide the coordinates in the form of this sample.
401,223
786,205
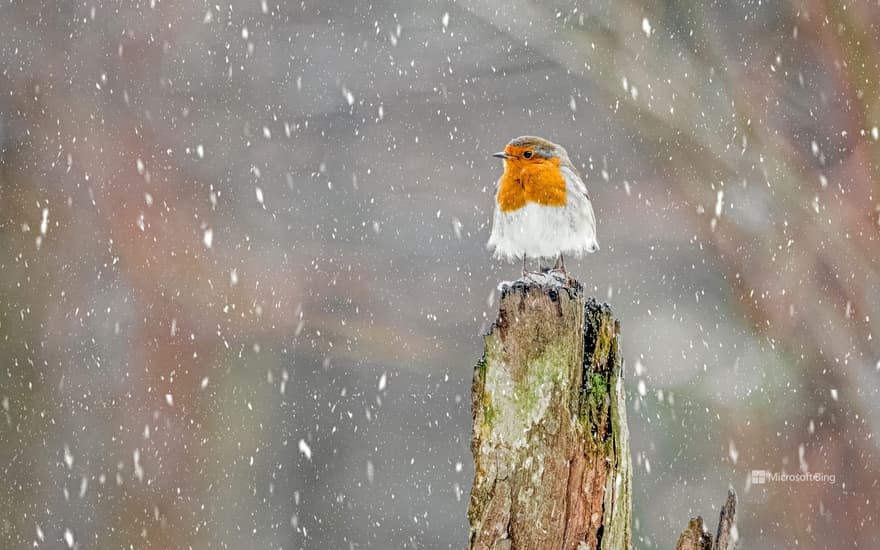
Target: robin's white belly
545,231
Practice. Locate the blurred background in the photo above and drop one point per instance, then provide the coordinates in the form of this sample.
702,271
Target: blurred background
243,276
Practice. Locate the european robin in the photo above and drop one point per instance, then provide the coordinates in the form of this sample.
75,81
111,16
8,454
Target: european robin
542,207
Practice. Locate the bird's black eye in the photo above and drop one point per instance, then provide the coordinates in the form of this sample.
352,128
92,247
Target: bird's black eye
527,155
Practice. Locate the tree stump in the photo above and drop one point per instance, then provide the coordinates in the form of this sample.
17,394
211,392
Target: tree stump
550,439
695,536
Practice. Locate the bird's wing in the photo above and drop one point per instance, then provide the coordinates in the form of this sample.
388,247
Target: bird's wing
582,204
574,177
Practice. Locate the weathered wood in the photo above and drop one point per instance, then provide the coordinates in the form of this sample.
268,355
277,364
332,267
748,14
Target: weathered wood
550,439
695,536
727,534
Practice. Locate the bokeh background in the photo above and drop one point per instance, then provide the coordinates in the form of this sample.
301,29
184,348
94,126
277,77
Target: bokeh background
243,278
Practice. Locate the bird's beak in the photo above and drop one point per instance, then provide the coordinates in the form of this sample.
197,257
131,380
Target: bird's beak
501,155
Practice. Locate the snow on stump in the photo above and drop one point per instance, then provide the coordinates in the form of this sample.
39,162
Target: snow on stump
550,439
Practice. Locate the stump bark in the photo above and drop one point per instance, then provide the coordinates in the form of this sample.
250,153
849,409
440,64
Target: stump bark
550,439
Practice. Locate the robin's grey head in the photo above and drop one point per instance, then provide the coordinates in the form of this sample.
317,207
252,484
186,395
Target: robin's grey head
528,148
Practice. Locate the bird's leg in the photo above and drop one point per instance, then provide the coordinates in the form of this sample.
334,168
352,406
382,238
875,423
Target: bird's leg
524,265
560,264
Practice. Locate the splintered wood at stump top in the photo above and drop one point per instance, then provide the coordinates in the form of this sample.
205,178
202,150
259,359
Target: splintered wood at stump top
550,442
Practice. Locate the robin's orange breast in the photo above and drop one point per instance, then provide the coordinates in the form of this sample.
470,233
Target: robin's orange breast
540,182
